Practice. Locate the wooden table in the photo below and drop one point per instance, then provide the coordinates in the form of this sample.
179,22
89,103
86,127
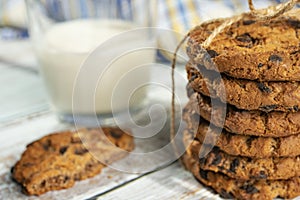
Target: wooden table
25,116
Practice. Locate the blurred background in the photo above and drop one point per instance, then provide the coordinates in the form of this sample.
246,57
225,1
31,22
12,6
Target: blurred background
22,93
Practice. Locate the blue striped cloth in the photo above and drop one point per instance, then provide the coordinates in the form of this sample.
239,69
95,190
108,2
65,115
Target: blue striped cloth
178,15
185,14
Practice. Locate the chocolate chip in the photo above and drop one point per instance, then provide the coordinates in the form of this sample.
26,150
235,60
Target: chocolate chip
264,88
212,53
262,175
193,77
62,150
244,38
203,174
296,108
27,164
30,144
80,151
249,141
12,169
66,179
250,189
217,159
217,156
216,150
248,22
202,160
116,134
89,167
226,195
275,58
294,23
235,163
260,65
43,184
268,108
46,145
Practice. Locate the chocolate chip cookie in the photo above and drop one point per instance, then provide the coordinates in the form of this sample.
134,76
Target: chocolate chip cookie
57,160
245,168
245,94
229,188
256,123
241,145
249,49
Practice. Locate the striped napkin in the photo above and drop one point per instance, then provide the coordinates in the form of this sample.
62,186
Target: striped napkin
178,15
182,15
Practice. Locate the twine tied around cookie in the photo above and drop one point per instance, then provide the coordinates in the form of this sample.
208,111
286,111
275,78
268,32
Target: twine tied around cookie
273,11
261,14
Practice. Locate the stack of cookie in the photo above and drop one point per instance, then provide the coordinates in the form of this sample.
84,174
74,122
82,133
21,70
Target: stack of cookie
253,68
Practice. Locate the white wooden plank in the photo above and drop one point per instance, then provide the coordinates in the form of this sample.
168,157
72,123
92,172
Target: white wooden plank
21,94
19,134
173,182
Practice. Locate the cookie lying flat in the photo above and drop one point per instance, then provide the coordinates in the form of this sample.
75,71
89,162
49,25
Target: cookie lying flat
256,123
230,188
57,160
242,145
254,50
244,94
245,168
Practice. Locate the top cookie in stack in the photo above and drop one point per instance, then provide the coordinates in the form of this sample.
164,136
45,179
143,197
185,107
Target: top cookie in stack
253,50
253,67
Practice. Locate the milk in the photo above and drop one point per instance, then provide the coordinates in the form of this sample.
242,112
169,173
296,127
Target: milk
65,47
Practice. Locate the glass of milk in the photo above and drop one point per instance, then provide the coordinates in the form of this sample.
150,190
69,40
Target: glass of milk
65,33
